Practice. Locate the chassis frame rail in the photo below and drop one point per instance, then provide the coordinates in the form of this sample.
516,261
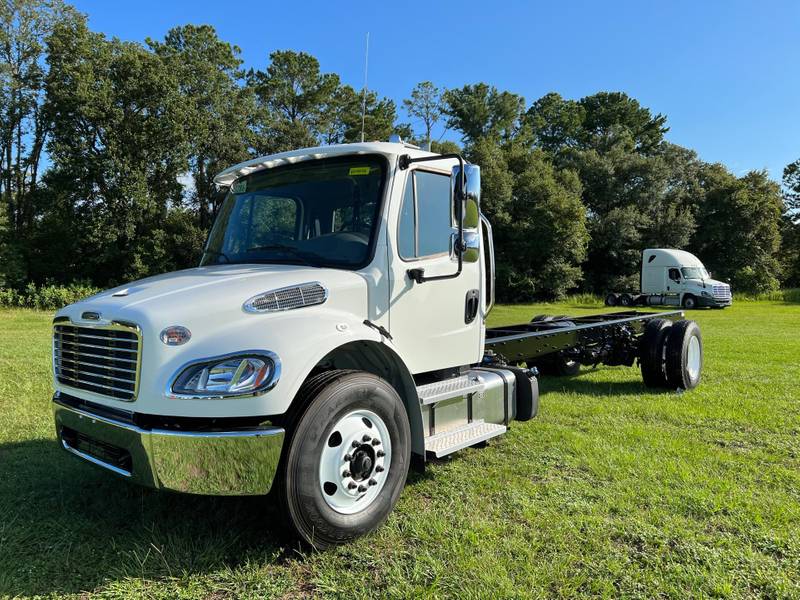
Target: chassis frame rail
573,335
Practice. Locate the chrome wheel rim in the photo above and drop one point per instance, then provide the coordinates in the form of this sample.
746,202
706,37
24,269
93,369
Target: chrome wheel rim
693,358
354,463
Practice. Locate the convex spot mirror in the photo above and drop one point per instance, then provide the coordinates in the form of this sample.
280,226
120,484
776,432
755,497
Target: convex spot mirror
471,198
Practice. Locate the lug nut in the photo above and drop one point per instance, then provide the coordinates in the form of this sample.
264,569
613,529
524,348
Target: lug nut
351,486
379,469
376,442
356,443
380,453
347,458
362,488
365,438
373,482
346,474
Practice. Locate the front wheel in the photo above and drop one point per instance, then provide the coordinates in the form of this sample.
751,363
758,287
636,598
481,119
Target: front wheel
689,302
347,458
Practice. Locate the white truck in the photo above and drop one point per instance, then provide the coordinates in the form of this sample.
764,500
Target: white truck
674,278
333,334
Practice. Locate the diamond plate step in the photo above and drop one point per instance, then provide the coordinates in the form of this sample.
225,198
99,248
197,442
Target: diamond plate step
447,442
431,393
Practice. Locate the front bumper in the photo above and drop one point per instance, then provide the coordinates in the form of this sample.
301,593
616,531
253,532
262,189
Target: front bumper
222,463
713,302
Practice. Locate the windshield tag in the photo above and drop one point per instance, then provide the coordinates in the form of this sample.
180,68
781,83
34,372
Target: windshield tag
239,187
359,171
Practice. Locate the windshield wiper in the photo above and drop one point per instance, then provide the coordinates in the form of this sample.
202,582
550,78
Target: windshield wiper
303,256
218,253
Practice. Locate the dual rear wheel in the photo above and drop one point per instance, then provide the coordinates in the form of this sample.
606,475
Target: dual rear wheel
671,354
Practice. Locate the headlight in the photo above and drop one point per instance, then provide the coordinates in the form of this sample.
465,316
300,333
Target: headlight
245,374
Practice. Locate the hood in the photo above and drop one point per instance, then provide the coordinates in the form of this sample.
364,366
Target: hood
708,282
211,290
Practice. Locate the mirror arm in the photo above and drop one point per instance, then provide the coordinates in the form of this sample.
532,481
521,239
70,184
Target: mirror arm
418,274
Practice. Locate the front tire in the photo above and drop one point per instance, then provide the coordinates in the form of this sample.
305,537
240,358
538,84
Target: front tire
689,302
347,458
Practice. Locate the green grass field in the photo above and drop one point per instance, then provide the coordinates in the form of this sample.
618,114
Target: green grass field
612,491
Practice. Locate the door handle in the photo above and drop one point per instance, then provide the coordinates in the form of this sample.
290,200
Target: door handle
471,304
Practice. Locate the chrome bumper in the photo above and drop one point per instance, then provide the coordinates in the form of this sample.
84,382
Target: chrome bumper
237,463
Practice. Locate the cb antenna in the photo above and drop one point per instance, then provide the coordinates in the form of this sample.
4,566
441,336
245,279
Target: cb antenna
364,91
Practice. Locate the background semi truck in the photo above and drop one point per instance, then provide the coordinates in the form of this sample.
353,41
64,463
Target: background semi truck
673,278
334,333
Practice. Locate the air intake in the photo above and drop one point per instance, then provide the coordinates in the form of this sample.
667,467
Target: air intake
288,298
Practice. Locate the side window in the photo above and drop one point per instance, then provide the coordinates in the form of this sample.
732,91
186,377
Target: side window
425,223
405,232
674,274
434,221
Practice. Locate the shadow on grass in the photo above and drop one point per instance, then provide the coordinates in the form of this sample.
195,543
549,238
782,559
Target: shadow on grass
580,384
68,527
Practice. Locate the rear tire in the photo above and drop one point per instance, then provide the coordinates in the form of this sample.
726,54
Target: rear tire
684,364
338,406
611,299
652,347
625,300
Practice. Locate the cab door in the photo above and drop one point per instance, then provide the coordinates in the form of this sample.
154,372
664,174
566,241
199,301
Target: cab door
434,324
674,284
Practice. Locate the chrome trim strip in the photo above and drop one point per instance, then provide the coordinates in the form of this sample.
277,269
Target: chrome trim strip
265,387
92,459
95,365
100,385
109,348
130,360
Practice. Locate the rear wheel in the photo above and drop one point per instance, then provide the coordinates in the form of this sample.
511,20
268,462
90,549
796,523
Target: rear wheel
652,348
684,355
625,300
347,459
611,299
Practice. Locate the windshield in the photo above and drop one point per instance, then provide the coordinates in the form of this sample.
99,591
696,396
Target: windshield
321,213
694,273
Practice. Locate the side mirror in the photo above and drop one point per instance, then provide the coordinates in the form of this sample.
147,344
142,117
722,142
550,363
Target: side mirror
470,195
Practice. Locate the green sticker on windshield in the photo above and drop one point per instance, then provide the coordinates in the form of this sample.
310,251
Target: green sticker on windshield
239,187
359,171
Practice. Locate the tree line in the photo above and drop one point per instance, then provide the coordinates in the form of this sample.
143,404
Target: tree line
108,151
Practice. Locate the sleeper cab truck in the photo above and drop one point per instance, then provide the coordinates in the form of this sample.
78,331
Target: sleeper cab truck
333,333
674,278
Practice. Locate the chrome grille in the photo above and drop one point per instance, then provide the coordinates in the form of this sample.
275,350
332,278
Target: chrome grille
722,292
104,360
288,298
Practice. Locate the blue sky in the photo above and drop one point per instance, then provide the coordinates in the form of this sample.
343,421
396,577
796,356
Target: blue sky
726,73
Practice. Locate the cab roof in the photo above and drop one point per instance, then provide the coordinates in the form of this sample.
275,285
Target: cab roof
669,257
388,149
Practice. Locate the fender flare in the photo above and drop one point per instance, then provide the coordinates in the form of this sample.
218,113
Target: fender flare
376,356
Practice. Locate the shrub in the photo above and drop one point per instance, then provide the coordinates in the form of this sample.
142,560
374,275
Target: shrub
45,297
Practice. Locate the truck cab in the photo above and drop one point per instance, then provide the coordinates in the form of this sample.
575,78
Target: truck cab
681,280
